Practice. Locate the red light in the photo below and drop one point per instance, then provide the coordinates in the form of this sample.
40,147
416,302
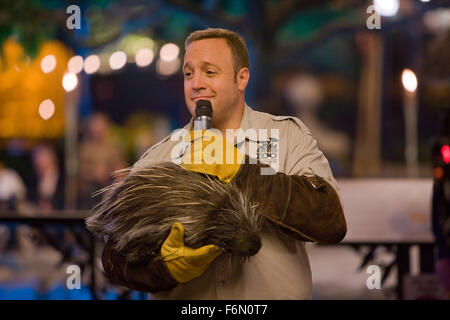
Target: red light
445,151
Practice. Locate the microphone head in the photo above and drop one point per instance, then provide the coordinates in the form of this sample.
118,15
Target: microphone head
203,108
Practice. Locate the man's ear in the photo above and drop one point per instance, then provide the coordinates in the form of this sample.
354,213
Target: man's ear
242,78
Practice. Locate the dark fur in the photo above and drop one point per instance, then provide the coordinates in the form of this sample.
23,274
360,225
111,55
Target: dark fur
137,212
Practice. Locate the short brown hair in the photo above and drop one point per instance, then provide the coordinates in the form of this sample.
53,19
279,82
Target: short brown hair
235,42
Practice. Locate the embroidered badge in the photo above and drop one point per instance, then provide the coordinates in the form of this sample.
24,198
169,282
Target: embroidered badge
267,150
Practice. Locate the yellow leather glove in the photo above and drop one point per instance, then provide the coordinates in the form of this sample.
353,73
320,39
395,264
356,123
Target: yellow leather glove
212,154
184,263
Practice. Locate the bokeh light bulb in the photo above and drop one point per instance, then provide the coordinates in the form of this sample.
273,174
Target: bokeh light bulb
46,109
169,52
117,60
75,64
48,63
409,80
387,8
91,64
70,81
144,57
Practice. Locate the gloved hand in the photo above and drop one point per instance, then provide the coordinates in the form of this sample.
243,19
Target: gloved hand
212,154
307,208
175,264
184,263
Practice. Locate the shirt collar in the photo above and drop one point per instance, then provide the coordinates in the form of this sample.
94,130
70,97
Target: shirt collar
245,121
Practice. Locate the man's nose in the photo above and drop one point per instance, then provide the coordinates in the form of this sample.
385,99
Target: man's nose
198,82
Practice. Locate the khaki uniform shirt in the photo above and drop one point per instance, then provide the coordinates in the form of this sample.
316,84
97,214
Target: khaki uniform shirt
280,270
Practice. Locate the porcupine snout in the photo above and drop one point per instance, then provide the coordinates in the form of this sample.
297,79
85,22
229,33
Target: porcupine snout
246,243
243,225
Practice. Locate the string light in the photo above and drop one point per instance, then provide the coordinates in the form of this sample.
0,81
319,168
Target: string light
46,109
117,60
91,64
75,64
70,81
48,63
144,57
169,52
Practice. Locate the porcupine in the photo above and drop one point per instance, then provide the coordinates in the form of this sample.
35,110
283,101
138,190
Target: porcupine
137,212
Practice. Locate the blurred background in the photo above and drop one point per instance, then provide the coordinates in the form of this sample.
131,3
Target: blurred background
86,89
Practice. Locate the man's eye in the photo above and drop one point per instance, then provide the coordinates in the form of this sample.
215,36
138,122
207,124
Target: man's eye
187,74
209,72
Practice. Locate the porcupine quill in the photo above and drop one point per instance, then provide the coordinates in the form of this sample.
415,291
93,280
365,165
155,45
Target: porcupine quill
137,212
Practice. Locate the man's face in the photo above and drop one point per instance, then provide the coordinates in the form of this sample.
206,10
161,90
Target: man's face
209,75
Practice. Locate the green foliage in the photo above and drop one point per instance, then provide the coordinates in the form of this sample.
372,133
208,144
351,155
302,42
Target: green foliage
31,21
304,25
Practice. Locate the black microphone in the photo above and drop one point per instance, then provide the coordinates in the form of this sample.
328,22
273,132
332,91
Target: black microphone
203,114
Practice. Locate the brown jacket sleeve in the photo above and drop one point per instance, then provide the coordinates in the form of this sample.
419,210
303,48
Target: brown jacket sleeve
307,208
149,276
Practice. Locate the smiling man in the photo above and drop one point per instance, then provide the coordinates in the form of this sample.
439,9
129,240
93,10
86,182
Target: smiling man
212,71
299,202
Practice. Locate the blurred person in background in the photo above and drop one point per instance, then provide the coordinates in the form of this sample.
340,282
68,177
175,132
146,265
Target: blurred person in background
46,187
98,157
12,189
46,194
12,198
305,93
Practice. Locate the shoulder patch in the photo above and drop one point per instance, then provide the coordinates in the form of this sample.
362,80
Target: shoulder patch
296,120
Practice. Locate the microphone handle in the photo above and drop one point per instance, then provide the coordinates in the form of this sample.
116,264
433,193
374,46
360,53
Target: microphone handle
202,123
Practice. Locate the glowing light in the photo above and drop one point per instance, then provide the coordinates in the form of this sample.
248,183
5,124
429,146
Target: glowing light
167,68
46,109
70,81
75,64
144,57
117,60
169,52
438,173
409,80
445,151
387,8
48,63
91,64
